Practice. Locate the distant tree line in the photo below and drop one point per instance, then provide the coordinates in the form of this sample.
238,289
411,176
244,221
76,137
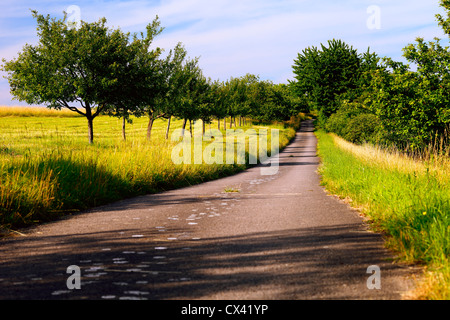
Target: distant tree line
365,98
92,70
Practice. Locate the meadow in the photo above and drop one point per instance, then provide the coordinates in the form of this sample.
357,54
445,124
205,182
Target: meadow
48,169
405,198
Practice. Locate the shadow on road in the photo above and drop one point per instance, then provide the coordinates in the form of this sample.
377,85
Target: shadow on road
313,261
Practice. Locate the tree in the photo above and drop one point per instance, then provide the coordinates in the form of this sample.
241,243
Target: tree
323,75
413,105
281,105
259,96
190,93
206,101
162,102
74,68
218,98
143,77
245,99
173,81
407,109
239,96
444,22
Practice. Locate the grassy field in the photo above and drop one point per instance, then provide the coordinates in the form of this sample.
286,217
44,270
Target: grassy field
406,199
48,169
23,111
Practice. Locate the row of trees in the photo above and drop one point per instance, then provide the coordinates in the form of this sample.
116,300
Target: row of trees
95,70
365,98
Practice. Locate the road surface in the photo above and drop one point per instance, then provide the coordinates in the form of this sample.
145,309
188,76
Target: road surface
274,237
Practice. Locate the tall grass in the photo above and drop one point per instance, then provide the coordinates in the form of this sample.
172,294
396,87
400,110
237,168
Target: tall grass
24,111
48,169
406,199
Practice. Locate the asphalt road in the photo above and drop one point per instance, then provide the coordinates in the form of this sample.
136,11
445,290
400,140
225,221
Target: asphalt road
280,237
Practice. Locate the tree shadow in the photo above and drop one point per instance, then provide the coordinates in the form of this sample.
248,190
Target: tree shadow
61,185
304,263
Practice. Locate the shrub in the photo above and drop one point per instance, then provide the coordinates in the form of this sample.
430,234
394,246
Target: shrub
362,128
353,123
337,122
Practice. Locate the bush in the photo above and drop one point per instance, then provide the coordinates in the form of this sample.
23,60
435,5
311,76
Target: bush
353,124
362,128
337,122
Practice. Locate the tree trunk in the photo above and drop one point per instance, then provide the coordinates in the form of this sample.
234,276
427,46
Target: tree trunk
218,124
225,123
168,128
149,128
123,129
90,120
240,121
91,130
231,122
190,127
204,127
184,127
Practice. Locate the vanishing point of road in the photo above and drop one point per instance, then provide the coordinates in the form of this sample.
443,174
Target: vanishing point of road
274,237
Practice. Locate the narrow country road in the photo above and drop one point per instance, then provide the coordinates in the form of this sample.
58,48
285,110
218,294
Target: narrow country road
280,237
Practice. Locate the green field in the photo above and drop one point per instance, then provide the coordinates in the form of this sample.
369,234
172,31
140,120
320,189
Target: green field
48,169
406,199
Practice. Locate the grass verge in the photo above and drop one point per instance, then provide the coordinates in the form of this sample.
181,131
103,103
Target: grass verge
405,199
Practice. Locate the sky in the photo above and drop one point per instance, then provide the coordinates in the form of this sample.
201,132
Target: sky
233,38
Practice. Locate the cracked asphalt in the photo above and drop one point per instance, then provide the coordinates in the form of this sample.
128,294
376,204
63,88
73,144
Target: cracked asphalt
274,237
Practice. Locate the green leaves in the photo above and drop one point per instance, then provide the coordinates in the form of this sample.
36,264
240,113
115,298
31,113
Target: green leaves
91,67
413,105
322,75
409,109
444,22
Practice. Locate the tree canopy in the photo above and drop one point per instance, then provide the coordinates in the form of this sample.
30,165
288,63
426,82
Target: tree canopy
324,74
86,69
92,69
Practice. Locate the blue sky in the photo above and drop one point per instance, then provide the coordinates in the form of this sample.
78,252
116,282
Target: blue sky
233,38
